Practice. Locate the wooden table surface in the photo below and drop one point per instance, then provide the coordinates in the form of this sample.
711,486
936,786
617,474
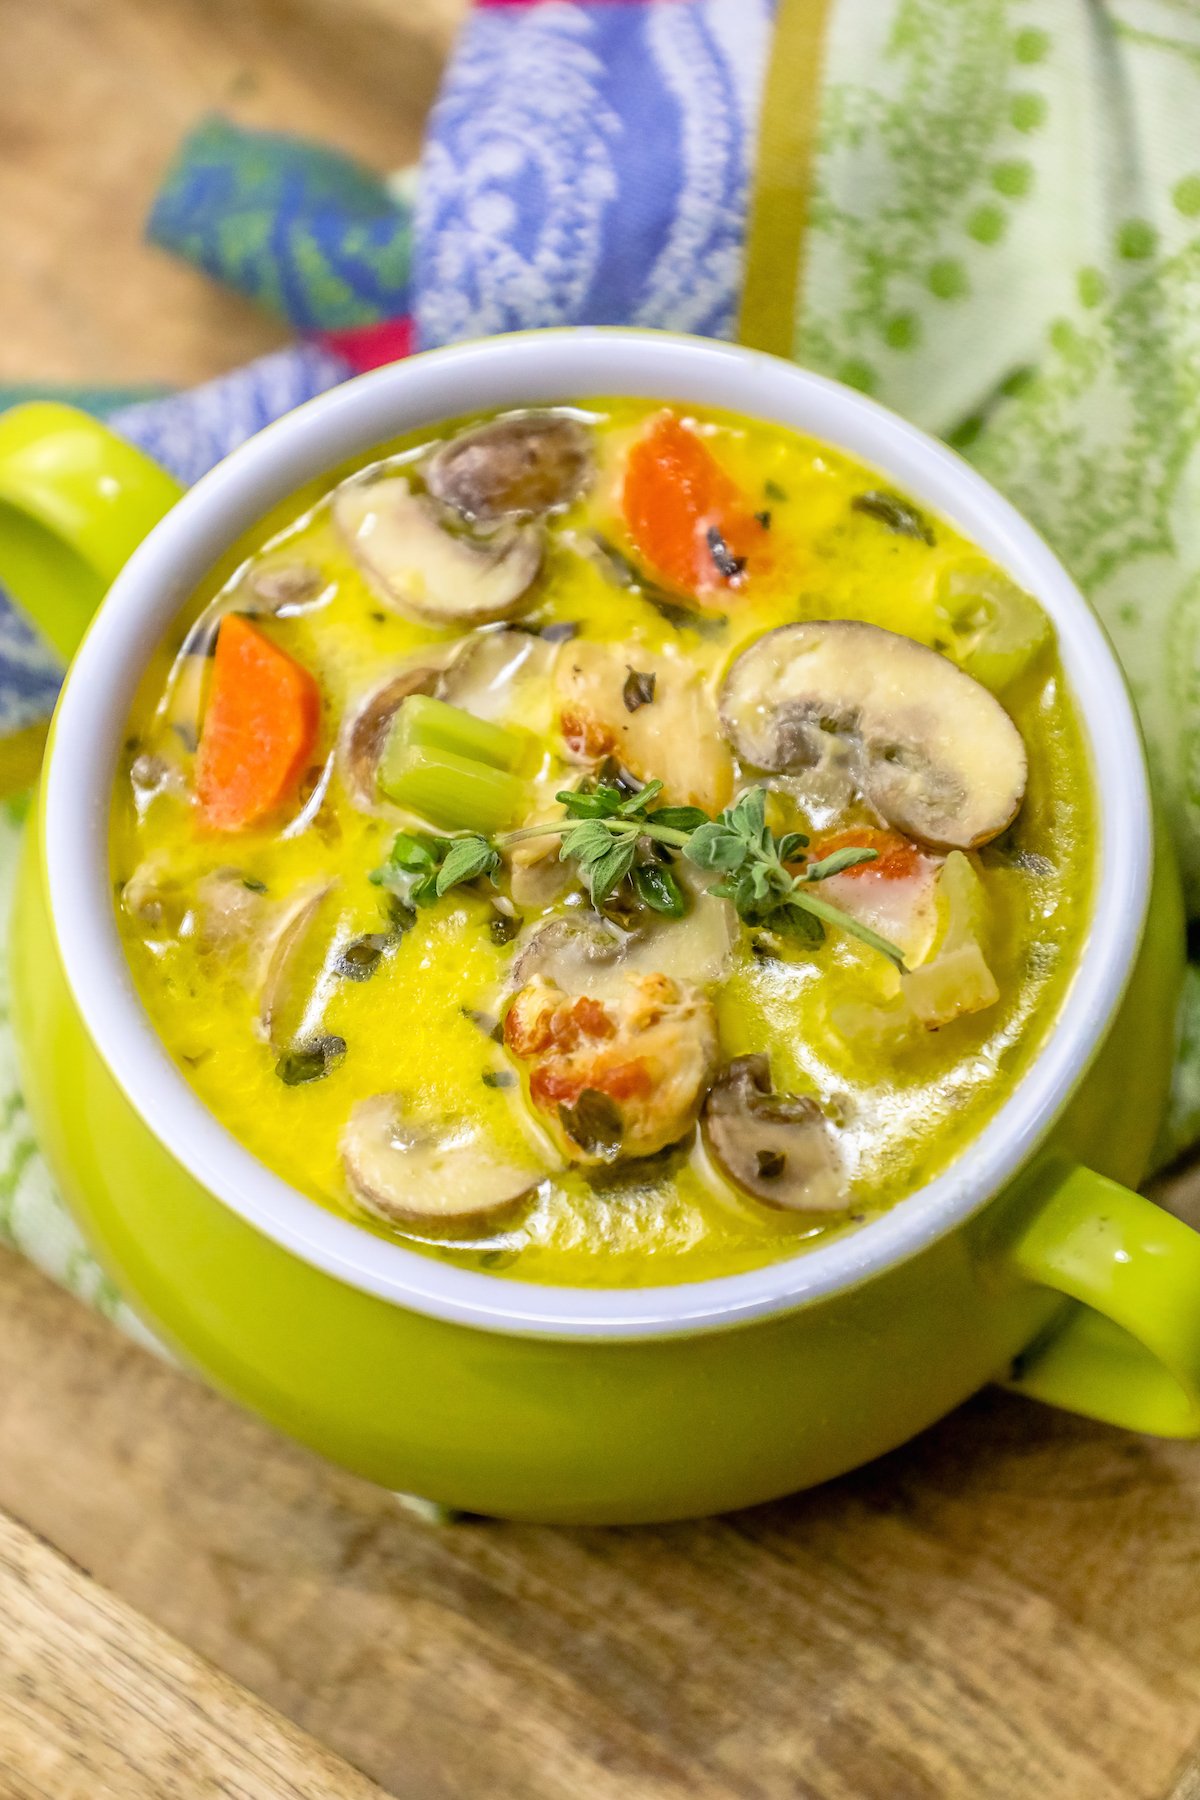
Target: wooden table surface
1007,1609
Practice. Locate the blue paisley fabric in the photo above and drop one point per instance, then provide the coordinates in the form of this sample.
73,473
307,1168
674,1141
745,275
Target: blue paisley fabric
586,163
590,164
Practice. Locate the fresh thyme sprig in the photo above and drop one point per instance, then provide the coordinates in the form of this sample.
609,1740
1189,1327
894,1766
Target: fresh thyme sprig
753,862
604,829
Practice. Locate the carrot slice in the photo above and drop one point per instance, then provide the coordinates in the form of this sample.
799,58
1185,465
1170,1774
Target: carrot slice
686,516
259,728
897,856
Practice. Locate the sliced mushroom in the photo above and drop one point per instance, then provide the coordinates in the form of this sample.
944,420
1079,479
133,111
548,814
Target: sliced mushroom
277,589
525,463
935,753
571,950
443,1175
183,704
284,588
674,736
494,673
366,730
586,953
776,1147
423,570
293,959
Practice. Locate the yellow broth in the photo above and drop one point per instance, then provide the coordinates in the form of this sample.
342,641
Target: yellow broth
902,1108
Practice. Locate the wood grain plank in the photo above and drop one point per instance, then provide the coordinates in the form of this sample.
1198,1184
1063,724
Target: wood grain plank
1008,1609
95,1702
98,95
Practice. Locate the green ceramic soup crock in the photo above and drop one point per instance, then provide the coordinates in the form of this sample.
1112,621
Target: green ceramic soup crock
1026,1261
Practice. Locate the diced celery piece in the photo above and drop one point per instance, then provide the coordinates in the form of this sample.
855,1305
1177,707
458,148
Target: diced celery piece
455,792
431,724
993,628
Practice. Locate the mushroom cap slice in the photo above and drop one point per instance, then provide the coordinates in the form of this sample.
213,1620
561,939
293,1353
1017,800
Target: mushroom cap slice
586,953
936,754
293,962
443,1174
366,730
776,1147
523,464
571,950
426,572
499,674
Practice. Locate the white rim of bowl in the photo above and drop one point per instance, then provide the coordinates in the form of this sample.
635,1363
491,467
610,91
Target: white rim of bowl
525,369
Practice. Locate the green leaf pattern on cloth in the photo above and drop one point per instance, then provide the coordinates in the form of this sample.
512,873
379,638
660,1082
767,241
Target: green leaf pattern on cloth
1004,245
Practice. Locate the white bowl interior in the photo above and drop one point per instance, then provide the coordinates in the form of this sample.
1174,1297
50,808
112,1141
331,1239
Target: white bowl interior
529,368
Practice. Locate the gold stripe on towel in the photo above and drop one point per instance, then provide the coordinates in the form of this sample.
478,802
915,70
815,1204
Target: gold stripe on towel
788,123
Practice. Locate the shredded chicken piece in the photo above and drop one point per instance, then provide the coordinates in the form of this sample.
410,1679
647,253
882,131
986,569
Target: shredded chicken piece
623,1077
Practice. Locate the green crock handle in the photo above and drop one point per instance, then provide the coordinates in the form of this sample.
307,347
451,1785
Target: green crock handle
1130,1352
75,501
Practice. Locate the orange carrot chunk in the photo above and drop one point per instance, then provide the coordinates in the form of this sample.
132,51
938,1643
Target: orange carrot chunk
685,515
259,729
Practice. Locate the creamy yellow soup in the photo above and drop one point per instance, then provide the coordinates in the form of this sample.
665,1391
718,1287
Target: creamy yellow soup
311,1001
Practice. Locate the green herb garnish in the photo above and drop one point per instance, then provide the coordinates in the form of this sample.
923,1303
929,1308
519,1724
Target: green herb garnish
743,849
658,889
638,689
897,513
605,829
310,1061
669,607
359,959
421,868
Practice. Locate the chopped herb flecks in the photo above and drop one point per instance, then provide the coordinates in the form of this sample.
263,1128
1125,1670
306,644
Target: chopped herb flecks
638,689
895,512
309,1062
359,959
503,926
724,561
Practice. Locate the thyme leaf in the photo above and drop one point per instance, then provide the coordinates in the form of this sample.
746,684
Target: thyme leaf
608,834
